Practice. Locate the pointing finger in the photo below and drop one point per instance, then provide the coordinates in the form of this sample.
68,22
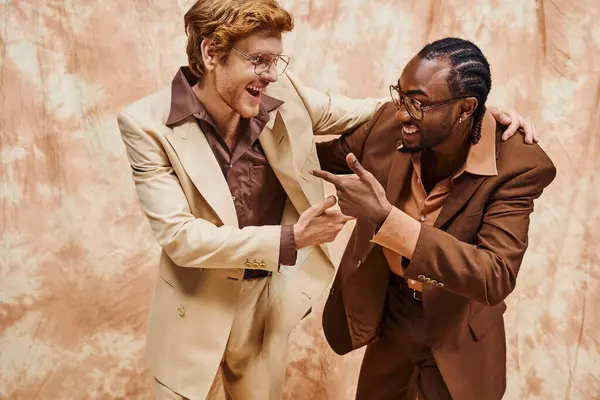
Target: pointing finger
326,176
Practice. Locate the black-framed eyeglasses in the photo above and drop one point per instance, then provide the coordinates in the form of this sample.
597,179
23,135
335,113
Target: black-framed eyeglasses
414,107
264,61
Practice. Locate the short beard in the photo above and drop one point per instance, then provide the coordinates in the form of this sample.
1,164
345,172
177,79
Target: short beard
446,125
409,150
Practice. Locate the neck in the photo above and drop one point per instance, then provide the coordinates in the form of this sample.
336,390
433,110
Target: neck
446,158
225,118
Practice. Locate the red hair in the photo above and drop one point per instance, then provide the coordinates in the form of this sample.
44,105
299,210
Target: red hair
225,22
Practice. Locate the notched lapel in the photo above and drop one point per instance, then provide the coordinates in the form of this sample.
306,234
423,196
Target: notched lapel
281,153
200,163
289,161
399,170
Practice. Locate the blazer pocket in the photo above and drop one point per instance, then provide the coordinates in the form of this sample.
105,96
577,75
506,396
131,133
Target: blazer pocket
171,309
487,319
166,281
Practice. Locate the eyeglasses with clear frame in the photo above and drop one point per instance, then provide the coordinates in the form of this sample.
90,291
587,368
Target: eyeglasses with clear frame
413,106
263,62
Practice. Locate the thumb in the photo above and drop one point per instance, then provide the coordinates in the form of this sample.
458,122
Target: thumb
320,208
355,166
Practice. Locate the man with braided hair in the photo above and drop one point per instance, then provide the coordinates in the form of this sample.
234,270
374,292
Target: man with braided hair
221,159
442,207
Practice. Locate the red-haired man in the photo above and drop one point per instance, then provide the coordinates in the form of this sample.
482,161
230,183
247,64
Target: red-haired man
221,171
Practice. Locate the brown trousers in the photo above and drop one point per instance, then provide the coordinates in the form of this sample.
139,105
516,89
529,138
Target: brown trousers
400,366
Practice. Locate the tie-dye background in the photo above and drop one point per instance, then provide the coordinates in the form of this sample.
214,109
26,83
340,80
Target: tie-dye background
77,255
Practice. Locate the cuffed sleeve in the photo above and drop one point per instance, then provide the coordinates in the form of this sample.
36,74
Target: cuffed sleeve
287,246
399,233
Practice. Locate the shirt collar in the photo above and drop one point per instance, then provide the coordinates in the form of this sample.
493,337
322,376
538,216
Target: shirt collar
185,103
481,159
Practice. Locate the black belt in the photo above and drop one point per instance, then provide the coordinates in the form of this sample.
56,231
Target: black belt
400,283
256,273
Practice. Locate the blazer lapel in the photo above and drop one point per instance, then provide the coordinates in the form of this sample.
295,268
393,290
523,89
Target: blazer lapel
200,163
464,187
285,159
400,167
289,157
399,170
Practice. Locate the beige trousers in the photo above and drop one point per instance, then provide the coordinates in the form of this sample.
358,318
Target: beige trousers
255,359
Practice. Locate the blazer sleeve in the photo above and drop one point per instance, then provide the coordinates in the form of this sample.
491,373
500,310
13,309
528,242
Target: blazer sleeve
334,114
486,271
189,241
332,154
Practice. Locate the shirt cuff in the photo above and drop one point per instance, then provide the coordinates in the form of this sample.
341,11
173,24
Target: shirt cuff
399,233
287,246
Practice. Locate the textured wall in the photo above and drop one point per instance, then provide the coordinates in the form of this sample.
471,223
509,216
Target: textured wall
77,256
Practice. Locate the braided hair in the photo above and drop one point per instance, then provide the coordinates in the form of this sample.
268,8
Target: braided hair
470,74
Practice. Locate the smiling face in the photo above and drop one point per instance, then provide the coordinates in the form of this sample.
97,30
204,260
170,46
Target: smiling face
235,81
426,81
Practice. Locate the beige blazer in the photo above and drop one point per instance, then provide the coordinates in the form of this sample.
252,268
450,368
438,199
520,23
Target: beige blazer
188,203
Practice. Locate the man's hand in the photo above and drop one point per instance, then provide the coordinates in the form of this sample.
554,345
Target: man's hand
318,224
360,195
515,123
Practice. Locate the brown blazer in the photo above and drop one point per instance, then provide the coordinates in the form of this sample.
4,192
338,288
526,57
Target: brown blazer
475,249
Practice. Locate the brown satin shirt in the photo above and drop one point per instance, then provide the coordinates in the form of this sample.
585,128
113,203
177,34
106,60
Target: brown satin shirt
257,194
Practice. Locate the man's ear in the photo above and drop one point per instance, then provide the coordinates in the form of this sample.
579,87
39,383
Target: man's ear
468,107
209,56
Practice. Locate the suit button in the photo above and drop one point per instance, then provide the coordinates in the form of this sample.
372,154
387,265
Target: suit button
434,282
421,278
255,265
427,280
262,265
440,285
180,311
422,218
247,264
332,291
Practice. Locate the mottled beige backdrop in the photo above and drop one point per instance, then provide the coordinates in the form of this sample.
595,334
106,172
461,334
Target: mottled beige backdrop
78,258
